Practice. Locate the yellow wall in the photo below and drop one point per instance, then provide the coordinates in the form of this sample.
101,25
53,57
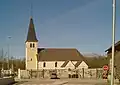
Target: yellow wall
31,56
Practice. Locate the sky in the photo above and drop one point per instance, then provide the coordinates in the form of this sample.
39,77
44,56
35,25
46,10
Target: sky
82,24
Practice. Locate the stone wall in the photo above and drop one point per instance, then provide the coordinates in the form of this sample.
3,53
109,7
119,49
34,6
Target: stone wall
24,74
62,73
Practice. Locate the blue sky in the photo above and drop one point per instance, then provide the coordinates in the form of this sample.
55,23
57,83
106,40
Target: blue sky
82,24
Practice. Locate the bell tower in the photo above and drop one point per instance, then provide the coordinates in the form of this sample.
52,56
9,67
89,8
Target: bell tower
31,46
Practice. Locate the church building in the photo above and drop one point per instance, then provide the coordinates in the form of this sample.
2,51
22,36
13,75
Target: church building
50,58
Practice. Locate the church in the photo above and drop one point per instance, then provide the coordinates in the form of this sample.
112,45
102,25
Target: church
50,58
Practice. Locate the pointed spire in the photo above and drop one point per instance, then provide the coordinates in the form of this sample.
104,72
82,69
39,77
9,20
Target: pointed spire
31,37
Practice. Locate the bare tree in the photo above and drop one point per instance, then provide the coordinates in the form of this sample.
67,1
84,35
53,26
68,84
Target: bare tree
2,59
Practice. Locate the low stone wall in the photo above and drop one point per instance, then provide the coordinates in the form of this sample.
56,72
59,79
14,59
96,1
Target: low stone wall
6,81
62,73
24,74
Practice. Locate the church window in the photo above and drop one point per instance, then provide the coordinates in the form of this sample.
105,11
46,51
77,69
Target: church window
33,45
44,64
55,64
31,59
30,45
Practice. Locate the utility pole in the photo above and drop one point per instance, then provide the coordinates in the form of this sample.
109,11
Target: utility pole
113,40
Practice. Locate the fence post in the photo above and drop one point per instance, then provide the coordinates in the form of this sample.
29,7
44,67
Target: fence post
83,72
43,73
96,73
19,77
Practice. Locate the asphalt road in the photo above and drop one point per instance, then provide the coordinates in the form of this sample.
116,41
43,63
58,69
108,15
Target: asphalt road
61,82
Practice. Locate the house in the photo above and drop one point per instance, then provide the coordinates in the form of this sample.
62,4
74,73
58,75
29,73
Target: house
50,58
109,53
117,48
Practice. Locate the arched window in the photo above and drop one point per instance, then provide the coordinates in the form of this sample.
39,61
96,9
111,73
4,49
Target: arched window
55,64
30,45
33,45
31,59
44,64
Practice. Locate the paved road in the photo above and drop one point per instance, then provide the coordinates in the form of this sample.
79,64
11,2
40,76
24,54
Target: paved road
62,82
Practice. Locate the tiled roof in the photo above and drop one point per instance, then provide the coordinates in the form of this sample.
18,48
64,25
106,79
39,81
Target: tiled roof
59,54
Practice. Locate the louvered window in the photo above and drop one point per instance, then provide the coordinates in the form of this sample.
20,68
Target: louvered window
30,45
55,64
44,64
33,45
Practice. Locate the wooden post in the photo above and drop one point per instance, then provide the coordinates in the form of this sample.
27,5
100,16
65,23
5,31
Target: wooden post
96,73
19,77
43,73
31,73
83,72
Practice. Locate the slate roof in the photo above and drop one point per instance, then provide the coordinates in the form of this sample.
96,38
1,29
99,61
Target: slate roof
31,37
59,54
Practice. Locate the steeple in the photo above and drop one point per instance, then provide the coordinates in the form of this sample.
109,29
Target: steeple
31,37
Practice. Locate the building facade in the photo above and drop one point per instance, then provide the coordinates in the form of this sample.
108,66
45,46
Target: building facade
50,58
117,55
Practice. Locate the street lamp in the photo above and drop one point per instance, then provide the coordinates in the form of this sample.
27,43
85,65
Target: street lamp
9,37
113,40
12,64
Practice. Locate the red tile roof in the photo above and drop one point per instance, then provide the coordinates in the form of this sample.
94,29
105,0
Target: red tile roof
59,54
